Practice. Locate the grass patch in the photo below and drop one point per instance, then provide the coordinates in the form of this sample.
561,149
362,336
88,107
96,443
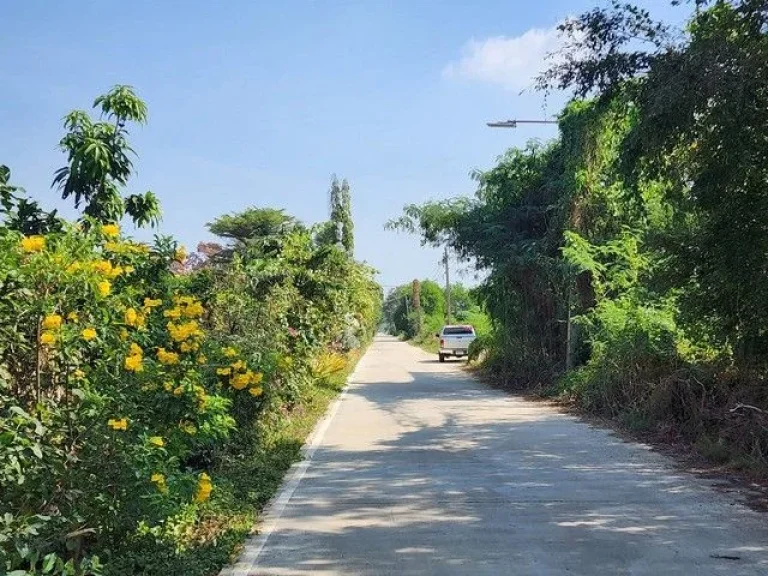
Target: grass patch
245,482
427,342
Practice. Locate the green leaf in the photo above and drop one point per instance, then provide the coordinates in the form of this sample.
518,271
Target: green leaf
49,563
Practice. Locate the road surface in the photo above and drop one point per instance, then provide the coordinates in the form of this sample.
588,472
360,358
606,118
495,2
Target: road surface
422,470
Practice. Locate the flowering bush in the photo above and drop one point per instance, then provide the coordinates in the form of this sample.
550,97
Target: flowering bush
149,406
110,390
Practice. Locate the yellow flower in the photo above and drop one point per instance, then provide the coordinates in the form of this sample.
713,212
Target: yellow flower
193,310
255,391
149,303
129,270
157,441
257,377
52,322
110,230
174,313
115,272
204,488
104,288
102,267
223,371
188,428
159,481
73,317
168,386
74,267
118,424
130,317
78,374
181,332
47,338
88,334
112,247
180,255
229,352
33,244
190,346
239,365
178,391
123,334
166,357
133,363
240,381
202,359
135,349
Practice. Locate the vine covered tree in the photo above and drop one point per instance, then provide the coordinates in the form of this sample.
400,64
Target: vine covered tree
625,262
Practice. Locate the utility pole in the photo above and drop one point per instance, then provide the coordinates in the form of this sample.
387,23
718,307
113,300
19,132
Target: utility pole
571,329
447,288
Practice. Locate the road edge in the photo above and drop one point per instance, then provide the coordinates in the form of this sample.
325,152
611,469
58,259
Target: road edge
273,511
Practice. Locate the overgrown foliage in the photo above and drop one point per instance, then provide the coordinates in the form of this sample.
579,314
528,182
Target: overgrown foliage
626,260
148,409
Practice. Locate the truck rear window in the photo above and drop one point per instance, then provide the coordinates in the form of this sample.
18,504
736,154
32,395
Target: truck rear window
458,331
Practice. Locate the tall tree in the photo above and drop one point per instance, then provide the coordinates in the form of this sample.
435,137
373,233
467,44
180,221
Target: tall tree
99,160
341,214
701,106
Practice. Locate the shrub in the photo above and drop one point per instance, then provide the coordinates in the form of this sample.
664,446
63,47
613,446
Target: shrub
110,393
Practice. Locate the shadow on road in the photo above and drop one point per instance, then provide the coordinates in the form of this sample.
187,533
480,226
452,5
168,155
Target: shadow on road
477,482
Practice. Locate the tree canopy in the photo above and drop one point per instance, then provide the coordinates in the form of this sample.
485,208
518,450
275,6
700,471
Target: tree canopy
99,160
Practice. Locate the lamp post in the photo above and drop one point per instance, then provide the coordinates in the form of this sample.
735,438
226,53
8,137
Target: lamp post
514,123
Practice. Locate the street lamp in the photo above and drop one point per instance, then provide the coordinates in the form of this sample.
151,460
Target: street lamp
514,123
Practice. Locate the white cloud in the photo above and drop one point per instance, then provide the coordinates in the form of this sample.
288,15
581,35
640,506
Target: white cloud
509,62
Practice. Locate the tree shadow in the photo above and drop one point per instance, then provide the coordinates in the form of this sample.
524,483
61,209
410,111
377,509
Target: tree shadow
429,473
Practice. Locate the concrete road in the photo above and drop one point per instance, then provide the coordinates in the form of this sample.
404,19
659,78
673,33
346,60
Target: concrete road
424,471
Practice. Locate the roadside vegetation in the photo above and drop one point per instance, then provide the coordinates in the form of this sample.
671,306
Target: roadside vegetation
151,400
626,260
417,311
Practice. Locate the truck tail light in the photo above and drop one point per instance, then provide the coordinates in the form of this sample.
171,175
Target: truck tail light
442,343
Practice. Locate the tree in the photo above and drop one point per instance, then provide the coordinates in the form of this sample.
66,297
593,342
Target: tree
326,234
701,106
401,316
99,160
22,214
341,214
252,224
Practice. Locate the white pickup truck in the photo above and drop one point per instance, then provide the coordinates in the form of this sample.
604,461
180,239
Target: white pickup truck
455,340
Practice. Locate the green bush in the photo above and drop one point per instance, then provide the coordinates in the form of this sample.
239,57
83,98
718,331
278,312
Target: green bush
148,407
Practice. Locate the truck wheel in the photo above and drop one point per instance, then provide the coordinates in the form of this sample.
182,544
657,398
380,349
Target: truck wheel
442,357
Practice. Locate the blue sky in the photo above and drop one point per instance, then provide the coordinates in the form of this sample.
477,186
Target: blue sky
259,103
